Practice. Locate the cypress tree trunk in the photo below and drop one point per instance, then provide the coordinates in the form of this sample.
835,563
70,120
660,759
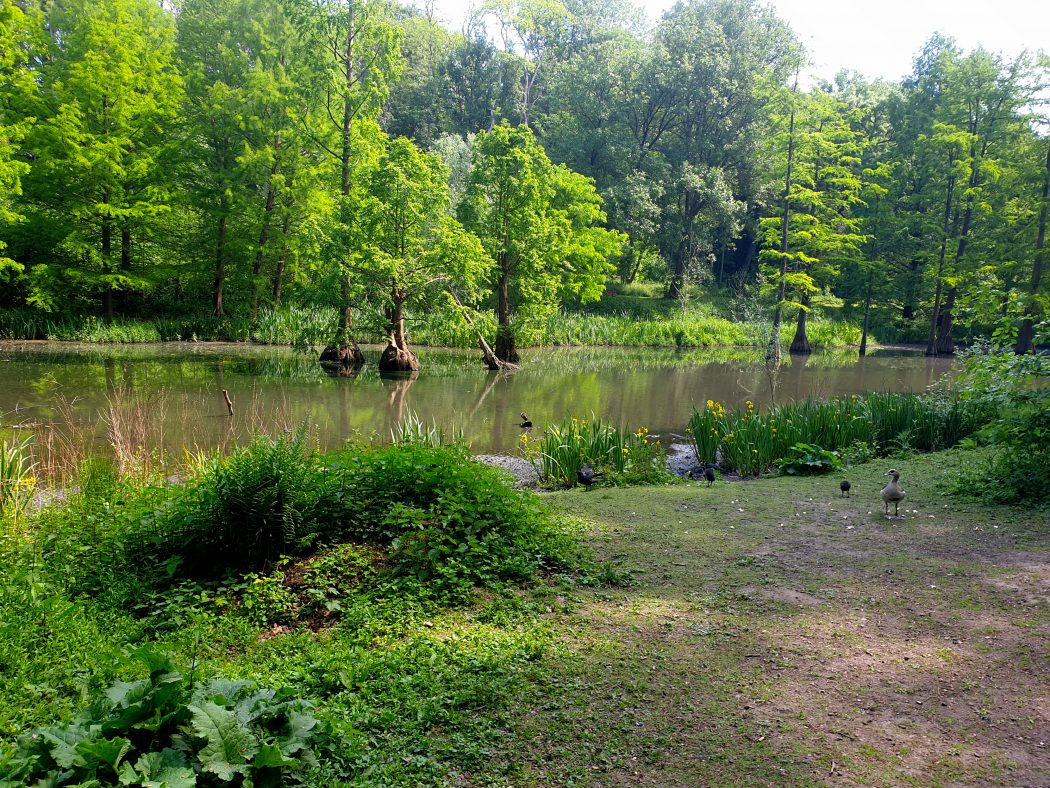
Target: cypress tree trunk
773,352
264,232
107,258
867,312
931,346
397,357
800,344
945,343
220,266
505,346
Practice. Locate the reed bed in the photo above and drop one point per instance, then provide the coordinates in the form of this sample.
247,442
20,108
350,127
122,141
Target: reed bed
311,327
750,441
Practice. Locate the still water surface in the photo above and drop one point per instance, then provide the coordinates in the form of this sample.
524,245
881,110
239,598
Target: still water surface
178,386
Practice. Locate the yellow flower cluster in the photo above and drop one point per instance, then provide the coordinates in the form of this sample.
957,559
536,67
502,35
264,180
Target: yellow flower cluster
717,408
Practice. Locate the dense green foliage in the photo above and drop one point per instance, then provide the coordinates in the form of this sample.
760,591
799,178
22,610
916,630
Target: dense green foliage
408,533
227,156
1020,385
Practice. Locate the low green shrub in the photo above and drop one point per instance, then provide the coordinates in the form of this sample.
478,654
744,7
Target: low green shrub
244,511
805,458
1020,385
164,731
447,519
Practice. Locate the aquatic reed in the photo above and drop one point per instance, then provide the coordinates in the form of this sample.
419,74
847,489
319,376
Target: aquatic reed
750,441
567,447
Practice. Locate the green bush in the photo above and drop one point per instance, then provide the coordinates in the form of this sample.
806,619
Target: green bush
1017,472
445,517
805,458
164,731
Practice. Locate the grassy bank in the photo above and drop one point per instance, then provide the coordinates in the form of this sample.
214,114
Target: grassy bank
629,322
778,634
748,633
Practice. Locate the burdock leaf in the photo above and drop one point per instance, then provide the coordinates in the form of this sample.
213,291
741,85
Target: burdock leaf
229,747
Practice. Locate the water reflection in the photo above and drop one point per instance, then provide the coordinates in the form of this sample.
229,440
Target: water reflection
276,389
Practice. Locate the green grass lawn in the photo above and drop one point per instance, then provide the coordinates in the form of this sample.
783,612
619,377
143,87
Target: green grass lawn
779,634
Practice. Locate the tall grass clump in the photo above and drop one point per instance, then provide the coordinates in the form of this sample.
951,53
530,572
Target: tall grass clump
749,441
305,327
412,431
17,481
620,454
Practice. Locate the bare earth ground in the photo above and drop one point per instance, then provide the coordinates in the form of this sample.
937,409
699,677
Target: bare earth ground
777,634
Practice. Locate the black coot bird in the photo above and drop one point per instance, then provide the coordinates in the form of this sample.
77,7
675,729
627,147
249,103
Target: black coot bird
845,486
586,476
709,473
526,422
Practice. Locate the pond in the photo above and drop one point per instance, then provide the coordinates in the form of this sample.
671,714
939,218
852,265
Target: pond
169,397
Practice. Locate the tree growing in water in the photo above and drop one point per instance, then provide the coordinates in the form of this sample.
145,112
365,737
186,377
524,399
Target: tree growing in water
540,223
413,250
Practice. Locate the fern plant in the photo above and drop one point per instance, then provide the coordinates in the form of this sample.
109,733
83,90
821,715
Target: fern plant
248,509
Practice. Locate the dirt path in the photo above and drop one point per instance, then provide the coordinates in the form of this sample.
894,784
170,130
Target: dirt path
779,635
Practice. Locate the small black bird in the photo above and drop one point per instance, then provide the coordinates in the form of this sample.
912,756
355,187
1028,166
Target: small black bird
709,474
526,422
586,476
845,487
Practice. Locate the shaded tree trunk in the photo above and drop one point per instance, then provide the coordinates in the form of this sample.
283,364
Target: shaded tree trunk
506,349
911,288
800,344
220,266
867,312
107,259
1026,335
945,343
773,351
264,232
935,315
282,260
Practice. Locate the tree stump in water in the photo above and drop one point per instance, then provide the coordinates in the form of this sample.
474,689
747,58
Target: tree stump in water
506,350
347,356
397,359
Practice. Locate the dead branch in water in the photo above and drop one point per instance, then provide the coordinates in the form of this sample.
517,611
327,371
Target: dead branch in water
491,360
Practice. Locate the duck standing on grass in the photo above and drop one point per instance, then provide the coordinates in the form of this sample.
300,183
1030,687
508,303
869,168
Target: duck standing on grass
892,492
709,474
585,476
844,486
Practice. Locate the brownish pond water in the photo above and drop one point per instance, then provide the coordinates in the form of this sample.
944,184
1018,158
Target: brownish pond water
169,396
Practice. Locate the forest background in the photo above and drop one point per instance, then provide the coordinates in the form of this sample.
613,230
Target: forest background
227,158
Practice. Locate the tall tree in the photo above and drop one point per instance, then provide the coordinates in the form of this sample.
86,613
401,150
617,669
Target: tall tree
360,47
413,249
110,88
540,223
19,37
